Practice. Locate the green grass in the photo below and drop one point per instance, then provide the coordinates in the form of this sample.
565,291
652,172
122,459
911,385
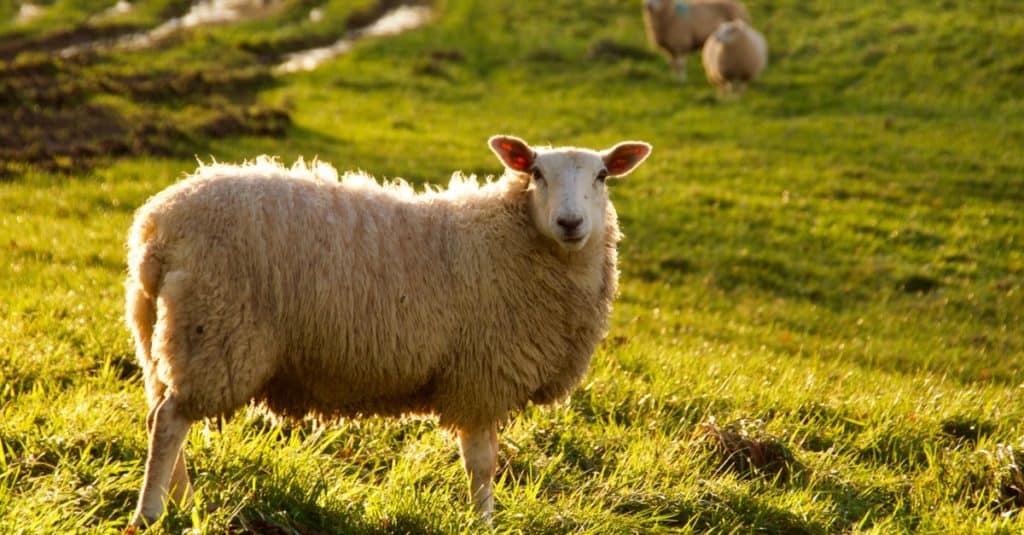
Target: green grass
830,266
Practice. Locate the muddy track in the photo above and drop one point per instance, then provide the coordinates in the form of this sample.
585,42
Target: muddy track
49,118
14,44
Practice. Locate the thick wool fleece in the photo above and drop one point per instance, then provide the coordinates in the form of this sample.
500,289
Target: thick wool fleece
344,298
679,32
738,61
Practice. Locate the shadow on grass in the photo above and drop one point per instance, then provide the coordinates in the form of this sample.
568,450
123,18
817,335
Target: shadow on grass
712,510
253,498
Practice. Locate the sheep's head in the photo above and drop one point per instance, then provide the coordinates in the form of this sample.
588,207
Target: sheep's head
728,31
658,6
568,198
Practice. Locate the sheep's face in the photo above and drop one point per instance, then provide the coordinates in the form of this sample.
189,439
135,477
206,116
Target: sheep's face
568,198
658,6
727,31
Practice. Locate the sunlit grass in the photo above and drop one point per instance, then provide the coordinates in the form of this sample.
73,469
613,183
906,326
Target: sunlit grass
836,256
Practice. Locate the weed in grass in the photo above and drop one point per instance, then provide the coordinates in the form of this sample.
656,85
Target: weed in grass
745,448
989,479
1008,467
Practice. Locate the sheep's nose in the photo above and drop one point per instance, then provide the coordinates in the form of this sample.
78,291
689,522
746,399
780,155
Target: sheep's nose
569,224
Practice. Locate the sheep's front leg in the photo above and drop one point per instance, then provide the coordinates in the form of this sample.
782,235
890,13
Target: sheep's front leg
480,457
181,488
169,429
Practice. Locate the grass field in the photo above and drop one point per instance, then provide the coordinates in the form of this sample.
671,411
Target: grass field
820,321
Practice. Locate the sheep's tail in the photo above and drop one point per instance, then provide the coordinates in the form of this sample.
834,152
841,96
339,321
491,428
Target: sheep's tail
145,276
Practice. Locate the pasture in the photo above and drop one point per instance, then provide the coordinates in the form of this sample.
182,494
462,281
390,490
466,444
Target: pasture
819,327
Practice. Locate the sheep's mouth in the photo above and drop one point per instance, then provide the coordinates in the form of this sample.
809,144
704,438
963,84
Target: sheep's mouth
576,241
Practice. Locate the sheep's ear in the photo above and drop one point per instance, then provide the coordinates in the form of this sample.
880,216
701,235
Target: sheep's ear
621,159
513,152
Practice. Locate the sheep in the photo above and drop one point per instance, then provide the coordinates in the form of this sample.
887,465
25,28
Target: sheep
678,27
311,295
734,55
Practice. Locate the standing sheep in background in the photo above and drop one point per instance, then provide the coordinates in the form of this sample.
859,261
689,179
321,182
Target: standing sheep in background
679,27
310,295
734,55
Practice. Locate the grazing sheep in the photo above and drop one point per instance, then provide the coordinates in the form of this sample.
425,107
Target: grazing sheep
679,27
310,295
734,55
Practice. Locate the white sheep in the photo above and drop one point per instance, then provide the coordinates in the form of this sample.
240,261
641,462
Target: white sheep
679,27
310,295
734,55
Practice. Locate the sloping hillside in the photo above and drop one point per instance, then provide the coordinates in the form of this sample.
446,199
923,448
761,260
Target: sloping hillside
820,321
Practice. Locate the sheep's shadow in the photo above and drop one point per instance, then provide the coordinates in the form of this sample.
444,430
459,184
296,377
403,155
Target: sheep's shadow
291,507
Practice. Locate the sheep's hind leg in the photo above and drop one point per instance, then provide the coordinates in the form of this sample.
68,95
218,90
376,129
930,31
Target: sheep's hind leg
480,457
679,67
169,429
727,92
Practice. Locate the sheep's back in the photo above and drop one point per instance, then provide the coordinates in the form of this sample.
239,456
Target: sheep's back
706,16
680,33
727,9
743,59
348,279
747,56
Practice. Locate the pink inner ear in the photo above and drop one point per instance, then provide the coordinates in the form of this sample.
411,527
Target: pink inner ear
520,162
517,156
624,158
618,165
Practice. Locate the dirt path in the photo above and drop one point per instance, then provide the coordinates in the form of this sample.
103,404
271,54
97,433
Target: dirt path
49,117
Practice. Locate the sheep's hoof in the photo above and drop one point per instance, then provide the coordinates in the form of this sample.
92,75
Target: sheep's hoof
139,521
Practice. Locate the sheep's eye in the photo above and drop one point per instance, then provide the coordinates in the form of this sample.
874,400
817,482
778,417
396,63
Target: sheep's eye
602,175
537,175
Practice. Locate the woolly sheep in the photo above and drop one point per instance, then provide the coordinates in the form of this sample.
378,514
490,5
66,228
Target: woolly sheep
341,298
734,55
679,27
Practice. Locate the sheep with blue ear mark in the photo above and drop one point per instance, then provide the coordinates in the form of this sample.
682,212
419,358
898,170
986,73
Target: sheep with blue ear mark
678,27
314,295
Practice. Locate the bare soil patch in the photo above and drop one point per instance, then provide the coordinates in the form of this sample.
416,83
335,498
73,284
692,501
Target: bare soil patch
53,114
49,117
